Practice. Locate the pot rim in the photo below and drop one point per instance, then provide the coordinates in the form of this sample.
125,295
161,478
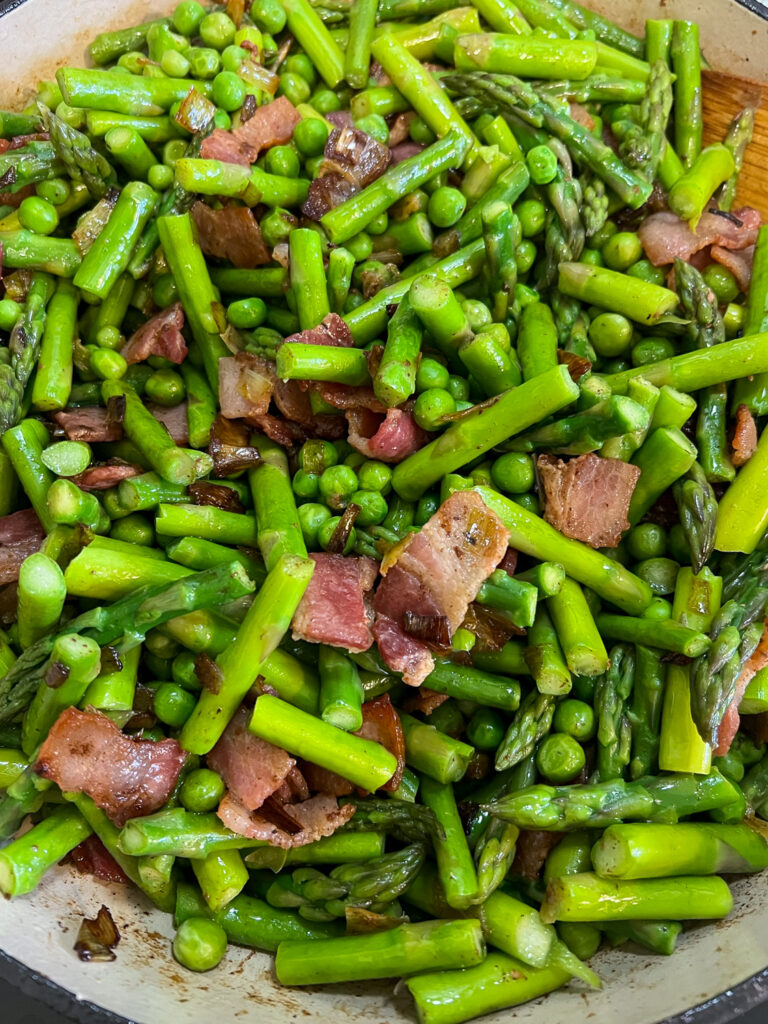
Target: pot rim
720,1009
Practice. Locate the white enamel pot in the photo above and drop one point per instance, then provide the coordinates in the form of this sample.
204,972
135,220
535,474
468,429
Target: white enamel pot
718,972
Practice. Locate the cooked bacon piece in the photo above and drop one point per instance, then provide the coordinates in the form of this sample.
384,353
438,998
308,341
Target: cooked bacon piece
454,552
437,571
294,790
666,237
326,194
89,424
344,396
86,753
744,439
333,609
390,439
400,592
355,155
20,535
101,478
160,336
322,781
509,562
293,402
404,151
232,233
399,130
425,701
252,768
318,817
588,498
332,331
91,857
738,261
271,125
381,723
532,850
246,382
730,723
174,420
222,145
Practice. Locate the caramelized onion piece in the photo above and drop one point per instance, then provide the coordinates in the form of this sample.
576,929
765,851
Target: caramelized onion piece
97,938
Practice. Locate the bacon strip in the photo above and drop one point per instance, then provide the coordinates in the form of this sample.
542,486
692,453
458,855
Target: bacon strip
744,440
232,233
85,752
666,237
318,817
253,769
731,720
21,534
160,336
390,439
333,609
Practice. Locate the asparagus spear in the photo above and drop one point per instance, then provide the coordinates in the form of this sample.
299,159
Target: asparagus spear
612,691
25,341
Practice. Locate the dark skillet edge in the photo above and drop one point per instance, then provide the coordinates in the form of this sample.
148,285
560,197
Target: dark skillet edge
720,1009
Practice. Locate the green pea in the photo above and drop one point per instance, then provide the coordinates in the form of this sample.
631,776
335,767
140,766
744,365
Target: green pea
592,258
529,502
217,30
199,944
560,758
584,688
187,16
575,718
326,531
431,374
201,791
166,388
431,406
306,485
622,250
269,15
420,132
513,473
110,337
375,476
283,160
644,270
611,334
174,64
477,313
601,236
658,610
446,206
375,126
300,64
313,166
106,363
252,36
373,507
228,91
458,388
426,507
134,529
10,311
276,226
204,62
221,119
312,515
734,319
378,225
659,573
160,177
325,101
316,456
533,216
360,246
173,705
722,282
525,255
294,87
652,350
485,729
615,366
337,485
164,291
247,314
542,164
54,190
310,136
647,540
38,215
134,61
233,58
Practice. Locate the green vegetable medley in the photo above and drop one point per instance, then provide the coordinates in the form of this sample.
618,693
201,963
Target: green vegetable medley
382,489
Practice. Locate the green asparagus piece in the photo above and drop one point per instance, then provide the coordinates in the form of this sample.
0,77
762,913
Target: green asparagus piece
24,861
686,63
644,712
